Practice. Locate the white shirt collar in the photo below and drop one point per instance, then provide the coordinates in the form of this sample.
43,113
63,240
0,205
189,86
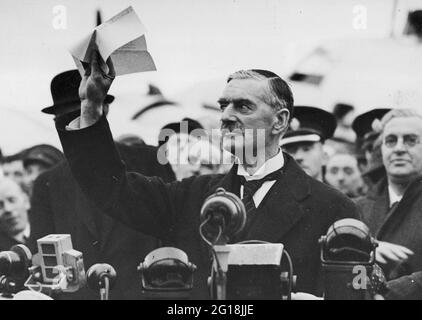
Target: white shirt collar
394,197
271,165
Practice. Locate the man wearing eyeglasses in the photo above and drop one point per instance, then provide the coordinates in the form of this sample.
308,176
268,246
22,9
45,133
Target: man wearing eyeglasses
393,210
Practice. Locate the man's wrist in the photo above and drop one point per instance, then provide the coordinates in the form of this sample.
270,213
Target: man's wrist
91,112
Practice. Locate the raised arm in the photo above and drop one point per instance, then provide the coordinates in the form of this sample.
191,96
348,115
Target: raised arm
143,203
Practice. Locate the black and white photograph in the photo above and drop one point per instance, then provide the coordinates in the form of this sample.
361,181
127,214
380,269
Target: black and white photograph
197,151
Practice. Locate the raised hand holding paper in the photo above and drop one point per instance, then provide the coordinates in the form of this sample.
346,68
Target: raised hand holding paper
122,38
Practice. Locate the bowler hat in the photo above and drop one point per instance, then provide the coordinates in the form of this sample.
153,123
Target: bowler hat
65,92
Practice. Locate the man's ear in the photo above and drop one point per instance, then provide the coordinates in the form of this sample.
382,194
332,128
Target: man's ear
282,121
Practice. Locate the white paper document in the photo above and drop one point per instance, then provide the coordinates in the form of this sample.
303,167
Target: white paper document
122,38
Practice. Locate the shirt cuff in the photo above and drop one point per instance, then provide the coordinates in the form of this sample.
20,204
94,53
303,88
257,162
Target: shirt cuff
75,124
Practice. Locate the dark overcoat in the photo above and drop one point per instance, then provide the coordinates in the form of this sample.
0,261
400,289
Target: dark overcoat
402,224
296,211
59,206
6,242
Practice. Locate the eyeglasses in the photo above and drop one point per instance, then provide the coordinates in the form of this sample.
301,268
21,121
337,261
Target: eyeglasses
409,140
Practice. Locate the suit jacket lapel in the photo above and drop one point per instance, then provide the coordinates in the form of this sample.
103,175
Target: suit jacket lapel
378,213
280,210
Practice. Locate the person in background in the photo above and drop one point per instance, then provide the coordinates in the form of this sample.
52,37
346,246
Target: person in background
175,142
14,207
309,128
342,172
344,114
131,140
392,209
12,167
206,158
368,146
37,160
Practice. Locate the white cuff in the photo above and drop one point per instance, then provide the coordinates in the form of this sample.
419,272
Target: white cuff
75,124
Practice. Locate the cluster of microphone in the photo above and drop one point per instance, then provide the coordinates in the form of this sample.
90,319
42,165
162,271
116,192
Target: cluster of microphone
347,254
57,268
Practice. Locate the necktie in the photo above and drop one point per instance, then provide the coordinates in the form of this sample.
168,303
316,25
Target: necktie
249,189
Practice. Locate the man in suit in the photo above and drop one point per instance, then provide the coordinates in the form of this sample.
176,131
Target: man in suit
392,209
59,206
14,206
309,128
286,205
342,172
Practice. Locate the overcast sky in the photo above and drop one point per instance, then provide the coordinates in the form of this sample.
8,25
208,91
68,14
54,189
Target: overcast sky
190,40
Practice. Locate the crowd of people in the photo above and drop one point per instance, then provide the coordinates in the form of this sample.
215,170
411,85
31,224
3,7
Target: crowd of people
330,165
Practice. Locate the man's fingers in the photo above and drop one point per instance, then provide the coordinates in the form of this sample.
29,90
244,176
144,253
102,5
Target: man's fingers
388,254
400,254
405,250
111,70
95,65
102,64
380,258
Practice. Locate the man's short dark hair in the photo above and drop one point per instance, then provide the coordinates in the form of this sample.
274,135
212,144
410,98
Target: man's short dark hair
279,94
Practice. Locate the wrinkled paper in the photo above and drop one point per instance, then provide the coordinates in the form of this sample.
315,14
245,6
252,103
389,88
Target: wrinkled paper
122,38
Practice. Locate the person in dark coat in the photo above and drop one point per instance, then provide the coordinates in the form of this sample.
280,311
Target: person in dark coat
59,206
392,210
290,208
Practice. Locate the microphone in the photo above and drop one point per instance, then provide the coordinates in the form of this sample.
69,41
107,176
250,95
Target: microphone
102,277
14,266
223,216
16,261
348,262
166,273
57,267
